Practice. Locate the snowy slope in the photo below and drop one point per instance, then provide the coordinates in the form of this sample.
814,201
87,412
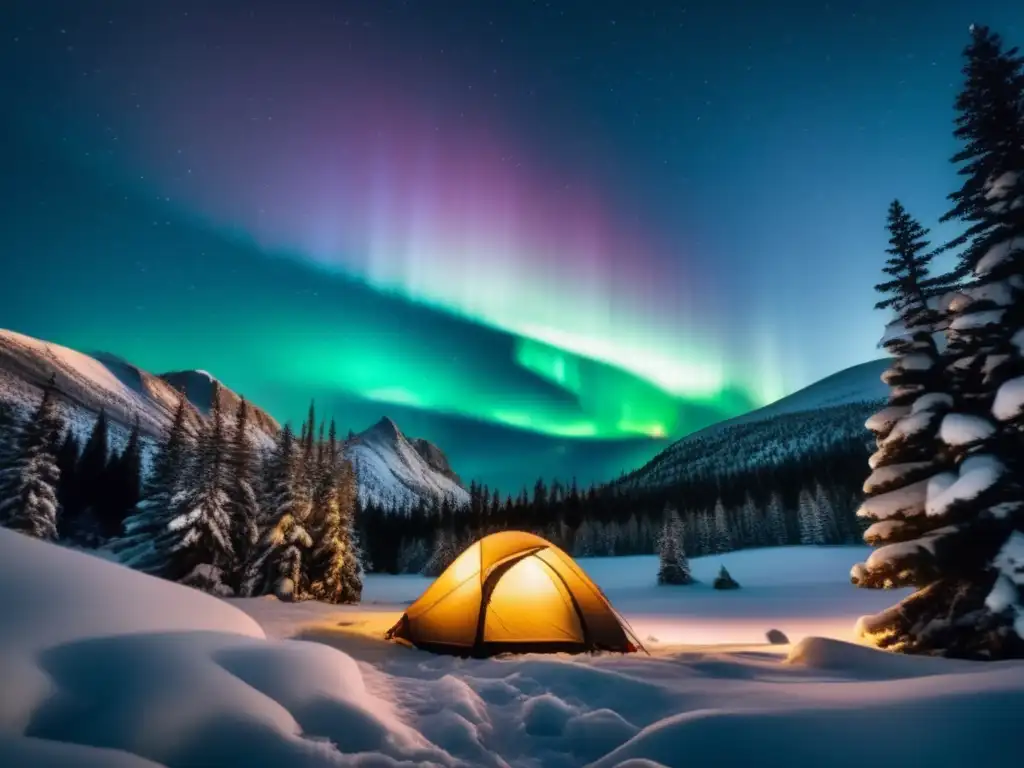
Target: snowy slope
857,384
826,416
396,472
87,384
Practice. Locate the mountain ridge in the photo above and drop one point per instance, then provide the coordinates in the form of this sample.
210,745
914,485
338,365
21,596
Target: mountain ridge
395,470
822,416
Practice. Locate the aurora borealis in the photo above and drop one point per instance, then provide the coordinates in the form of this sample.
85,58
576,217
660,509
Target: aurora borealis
546,236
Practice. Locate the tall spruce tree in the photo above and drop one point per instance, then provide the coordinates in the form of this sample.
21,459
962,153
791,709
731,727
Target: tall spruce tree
811,529
826,512
327,558
970,602
124,485
443,553
353,566
281,564
673,566
92,480
909,452
28,487
775,521
202,553
147,539
723,539
243,498
67,463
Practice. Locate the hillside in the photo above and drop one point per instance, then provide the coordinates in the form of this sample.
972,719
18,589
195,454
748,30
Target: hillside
393,470
823,418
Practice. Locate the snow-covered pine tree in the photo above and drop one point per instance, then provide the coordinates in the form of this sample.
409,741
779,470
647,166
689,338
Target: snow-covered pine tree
811,531
583,540
722,540
673,566
327,559
751,527
968,603
443,553
826,513
775,522
704,533
202,554
147,541
353,565
281,563
909,453
412,556
28,486
243,498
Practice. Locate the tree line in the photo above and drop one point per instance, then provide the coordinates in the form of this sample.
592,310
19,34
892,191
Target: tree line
215,511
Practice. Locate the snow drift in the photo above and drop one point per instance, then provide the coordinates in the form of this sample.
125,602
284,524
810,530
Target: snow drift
103,666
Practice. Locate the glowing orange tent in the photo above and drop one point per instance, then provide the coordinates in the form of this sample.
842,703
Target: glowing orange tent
513,592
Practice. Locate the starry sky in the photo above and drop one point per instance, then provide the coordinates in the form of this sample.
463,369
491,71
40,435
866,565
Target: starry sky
549,236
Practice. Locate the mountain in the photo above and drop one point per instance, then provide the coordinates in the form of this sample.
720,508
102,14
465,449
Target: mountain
393,470
396,471
822,419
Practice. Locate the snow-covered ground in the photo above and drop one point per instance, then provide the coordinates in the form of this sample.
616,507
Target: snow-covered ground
103,666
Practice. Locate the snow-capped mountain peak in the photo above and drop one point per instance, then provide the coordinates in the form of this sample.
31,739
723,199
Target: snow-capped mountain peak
396,471
393,469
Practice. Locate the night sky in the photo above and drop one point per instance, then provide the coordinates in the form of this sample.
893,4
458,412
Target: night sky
547,236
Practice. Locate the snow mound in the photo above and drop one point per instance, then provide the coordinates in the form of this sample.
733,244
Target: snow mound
1009,403
106,666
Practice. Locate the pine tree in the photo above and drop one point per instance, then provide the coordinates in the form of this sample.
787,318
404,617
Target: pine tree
826,515
906,431
673,566
124,484
353,564
202,554
775,521
67,462
28,487
243,499
967,603
412,556
722,540
281,563
443,553
92,475
811,530
147,539
752,533
583,540
705,536
327,559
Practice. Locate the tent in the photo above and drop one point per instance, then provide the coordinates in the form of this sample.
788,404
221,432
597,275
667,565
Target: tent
513,592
